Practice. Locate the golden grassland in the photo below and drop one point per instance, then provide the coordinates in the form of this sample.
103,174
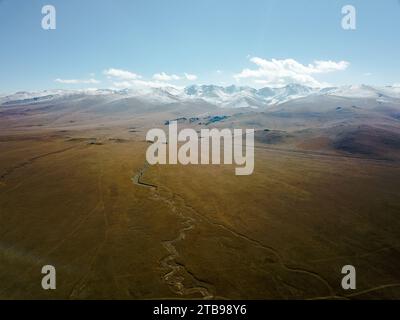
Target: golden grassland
70,200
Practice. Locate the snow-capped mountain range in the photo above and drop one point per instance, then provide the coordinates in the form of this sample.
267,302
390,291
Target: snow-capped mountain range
224,97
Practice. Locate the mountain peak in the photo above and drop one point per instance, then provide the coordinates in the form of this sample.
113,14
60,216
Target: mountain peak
232,96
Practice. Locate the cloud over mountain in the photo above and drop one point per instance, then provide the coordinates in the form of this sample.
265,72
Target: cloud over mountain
77,81
121,74
277,72
122,79
165,77
190,77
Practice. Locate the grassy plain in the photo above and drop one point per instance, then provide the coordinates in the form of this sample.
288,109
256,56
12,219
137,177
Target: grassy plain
70,199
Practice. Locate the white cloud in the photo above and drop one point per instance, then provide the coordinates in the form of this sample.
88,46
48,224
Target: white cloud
121,74
141,84
77,81
190,77
123,84
173,77
327,66
367,74
165,77
277,72
122,79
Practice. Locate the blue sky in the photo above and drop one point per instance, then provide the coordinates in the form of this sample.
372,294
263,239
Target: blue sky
212,41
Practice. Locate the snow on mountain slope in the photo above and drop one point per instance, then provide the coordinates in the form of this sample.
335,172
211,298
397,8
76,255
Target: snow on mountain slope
23,97
163,95
366,92
224,97
234,96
